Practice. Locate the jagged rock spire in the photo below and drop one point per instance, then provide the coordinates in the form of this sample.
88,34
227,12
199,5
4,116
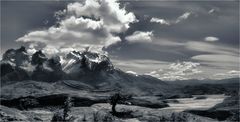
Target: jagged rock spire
38,58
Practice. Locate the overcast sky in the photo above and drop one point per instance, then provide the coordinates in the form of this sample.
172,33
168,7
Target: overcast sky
168,40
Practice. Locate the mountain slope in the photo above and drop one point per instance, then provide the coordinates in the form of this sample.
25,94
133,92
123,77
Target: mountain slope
77,70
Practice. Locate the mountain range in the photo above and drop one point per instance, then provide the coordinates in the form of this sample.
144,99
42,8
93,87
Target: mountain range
93,71
89,78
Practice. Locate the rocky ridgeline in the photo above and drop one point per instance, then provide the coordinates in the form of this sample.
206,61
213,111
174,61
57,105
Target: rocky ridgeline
77,70
17,64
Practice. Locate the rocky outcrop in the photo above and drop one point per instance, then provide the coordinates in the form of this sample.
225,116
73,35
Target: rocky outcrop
19,56
38,58
97,62
48,70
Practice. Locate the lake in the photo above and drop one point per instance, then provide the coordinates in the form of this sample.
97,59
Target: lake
196,104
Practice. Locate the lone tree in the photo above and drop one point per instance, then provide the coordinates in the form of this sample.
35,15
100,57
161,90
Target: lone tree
66,108
117,98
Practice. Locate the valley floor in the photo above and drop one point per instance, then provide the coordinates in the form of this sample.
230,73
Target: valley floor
100,112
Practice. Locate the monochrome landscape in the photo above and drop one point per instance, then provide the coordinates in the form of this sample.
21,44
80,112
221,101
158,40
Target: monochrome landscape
119,61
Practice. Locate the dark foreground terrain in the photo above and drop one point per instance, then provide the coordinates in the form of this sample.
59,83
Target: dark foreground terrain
36,88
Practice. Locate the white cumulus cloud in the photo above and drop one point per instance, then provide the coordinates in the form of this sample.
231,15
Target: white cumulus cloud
140,36
211,39
92,23
179,19
181,70
211,11
177,71
161,21
184,16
